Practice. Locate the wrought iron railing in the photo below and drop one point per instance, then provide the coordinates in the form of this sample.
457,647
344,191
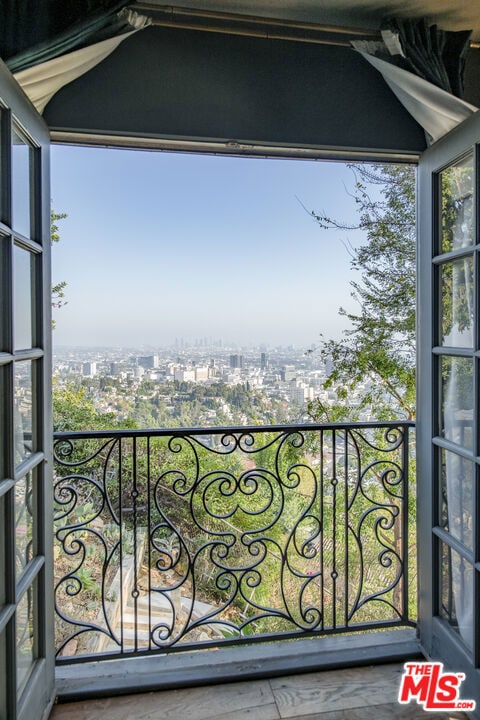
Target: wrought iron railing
173,539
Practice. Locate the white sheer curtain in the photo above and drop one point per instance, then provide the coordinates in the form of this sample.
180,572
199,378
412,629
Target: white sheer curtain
458,417
41,82
461,573
436,110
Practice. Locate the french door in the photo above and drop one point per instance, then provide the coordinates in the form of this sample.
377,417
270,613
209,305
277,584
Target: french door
26,616
448,420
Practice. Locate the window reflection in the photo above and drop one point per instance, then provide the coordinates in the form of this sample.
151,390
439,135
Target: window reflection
23,410
457,484
22,263
21,158
456,593
23,522
457,208
457,302
25,638
457,400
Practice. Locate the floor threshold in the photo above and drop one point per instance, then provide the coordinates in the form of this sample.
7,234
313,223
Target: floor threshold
208,667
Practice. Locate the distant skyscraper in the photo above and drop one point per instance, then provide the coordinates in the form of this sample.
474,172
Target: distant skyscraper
297,393
236,361
201,373
184,375
263,361
288,373
89,369
149,362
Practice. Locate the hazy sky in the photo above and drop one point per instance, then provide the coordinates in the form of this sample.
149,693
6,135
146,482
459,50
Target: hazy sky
159,245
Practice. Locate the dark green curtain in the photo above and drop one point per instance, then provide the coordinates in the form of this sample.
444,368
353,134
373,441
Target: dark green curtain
22,24
37,32
433,54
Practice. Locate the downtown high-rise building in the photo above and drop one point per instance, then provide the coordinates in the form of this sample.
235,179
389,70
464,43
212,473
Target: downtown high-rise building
237,361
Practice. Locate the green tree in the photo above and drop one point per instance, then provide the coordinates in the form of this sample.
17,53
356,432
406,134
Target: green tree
74,410
58,290
378,350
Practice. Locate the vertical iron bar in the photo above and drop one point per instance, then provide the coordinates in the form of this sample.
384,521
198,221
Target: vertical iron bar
120,520
322,535
149,550
334,530
405,519
135,568
345,550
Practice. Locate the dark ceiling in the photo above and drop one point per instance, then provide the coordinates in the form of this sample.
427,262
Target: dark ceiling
174,84
449,14
24,23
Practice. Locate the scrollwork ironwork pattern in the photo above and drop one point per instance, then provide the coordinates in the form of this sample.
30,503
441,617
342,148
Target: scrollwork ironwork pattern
173,539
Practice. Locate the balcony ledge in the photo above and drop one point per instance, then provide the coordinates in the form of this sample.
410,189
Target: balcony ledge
176,670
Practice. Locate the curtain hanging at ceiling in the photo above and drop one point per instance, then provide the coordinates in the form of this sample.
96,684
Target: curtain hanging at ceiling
42,81
424,67
436,110
431,53
91,29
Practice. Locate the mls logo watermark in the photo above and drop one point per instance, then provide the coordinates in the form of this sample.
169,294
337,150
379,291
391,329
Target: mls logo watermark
428,685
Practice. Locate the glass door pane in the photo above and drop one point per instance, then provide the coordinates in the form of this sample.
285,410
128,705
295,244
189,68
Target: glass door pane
21,184
457,209
455,276
448,404
23,264
456,593
456,410
457,493
26,577
457,302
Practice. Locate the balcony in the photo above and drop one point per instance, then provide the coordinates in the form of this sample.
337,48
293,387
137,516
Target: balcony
174,541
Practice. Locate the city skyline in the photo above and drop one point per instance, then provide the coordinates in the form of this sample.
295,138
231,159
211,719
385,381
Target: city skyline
191,387
189,344
159,246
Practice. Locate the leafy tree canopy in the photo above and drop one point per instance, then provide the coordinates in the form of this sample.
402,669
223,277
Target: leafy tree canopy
58,290
378,350
74,410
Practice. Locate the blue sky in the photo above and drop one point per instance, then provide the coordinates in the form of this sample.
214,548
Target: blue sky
161,245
